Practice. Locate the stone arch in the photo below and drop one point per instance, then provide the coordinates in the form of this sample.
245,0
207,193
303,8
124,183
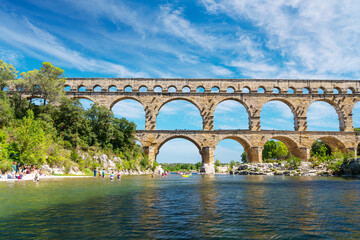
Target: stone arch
143,88
337,109
215,89
333,143
67,88
276,90
196,143
186,89
82,88
171,88
230,89
158,88
112,88
239,101
81,97
200,89
306,90
128,88
292,146
246,145
181,98
291,90
125,98
292,108
97,88
246,89
321,90
350,90
337,90
260,89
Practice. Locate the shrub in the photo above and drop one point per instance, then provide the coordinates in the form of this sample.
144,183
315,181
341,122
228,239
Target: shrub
293,162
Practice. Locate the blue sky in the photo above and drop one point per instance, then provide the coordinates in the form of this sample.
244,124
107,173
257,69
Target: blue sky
295,39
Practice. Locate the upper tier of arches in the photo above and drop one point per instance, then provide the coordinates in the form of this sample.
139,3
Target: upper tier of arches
219,86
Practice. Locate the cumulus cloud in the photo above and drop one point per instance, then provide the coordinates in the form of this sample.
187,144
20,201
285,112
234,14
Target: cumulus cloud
322,116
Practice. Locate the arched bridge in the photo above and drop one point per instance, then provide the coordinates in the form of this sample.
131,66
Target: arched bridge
206,94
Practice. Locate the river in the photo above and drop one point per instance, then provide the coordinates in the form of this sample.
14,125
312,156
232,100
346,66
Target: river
198,207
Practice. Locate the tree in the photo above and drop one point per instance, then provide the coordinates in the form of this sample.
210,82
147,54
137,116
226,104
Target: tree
7,72
51,82
243,157
281,150
269,151
217,163
319,148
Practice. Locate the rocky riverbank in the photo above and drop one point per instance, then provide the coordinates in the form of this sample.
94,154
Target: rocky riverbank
305,169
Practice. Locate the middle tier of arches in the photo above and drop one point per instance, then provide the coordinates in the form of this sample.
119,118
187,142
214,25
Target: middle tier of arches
206,106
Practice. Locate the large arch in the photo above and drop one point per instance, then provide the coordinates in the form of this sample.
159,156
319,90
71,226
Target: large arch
131,109
340,115
356,115
245,145
292,146
289,105
239,101
174,114
231,114
167,150
333,142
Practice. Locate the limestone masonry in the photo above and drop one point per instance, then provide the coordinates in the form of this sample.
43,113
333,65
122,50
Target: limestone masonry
206,94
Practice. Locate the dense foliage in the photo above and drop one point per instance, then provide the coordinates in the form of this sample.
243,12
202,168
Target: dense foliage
59,130
274,150
183,167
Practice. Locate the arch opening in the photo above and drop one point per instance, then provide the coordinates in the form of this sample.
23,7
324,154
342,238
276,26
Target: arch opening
277,115
350,91
128,89
132,110
322,116
231,114
306,91
200,90
336,91
179,114
112,88
291,91
67,88
157,89
321,91
143,89
230,90
97,88
179,149
261,90
85,103
356,116
245,90
276,90
186,89
229,151
82,89
215,90
172,89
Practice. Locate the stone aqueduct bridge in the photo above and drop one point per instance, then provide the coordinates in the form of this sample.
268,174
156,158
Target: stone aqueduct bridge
341,94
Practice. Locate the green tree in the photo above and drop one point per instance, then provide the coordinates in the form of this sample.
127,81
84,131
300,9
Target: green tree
217,163
281,150
269,151
243,157
7,72
31,140
321,149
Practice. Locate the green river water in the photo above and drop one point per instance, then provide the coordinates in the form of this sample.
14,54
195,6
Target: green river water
198,207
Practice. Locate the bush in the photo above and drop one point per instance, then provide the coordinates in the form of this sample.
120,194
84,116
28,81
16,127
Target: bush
293,162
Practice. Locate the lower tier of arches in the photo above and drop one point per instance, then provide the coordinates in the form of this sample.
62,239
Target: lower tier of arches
298,143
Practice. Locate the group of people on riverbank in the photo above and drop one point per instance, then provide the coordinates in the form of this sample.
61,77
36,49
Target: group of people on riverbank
19,171
102,174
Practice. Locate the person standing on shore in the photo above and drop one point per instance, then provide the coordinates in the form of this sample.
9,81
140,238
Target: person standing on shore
103,173
94,172
13,166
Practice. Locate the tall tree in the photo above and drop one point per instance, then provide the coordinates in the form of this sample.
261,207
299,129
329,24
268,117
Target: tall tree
7,72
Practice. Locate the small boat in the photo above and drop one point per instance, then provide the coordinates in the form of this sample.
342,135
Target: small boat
185,175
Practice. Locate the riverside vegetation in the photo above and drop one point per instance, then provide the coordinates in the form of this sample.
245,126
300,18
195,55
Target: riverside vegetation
58,132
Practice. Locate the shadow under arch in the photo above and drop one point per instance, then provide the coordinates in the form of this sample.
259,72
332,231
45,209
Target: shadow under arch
239,101
81,97
290,105
337,109
333,143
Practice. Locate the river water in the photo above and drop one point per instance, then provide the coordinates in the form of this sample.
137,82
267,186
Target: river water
198,207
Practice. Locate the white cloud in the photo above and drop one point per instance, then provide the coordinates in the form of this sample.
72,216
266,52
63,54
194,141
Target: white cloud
322,38
221,71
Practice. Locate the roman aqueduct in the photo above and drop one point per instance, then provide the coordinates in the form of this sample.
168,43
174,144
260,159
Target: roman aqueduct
206,94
